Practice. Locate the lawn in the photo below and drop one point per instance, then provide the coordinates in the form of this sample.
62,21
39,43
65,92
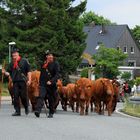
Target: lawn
131,109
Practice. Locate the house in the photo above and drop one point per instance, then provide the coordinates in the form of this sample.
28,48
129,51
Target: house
114,36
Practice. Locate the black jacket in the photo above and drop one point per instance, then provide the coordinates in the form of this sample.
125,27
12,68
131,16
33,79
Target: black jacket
51,73
19,74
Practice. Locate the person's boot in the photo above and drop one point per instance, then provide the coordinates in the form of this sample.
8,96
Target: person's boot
50,115
37,114
16,114
26,111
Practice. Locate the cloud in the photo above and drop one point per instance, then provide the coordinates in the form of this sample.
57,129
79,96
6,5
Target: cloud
120,11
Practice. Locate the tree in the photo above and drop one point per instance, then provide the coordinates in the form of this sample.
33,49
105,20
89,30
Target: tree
107,61
37,26
3,34
136,33
126,76
84,72
91,17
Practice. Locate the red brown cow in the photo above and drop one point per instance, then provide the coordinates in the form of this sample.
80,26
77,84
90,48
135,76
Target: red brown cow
67,94
33,88
103,93
84,90
63,92
72,97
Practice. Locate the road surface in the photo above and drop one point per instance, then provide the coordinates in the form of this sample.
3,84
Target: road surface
66,126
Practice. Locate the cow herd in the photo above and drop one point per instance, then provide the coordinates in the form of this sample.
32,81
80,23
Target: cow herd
99,95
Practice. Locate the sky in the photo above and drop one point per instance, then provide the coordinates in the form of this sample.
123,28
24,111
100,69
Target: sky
118,11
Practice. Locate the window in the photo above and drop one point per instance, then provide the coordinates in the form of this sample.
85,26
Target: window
132,49
98,45
125,49
118,48
132,63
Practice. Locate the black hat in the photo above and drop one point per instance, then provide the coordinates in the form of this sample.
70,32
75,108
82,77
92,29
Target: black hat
14,50
48,52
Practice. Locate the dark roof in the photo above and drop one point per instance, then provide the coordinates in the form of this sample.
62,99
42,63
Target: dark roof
110,38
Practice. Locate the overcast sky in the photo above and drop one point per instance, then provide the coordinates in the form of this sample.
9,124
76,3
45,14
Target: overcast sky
119,11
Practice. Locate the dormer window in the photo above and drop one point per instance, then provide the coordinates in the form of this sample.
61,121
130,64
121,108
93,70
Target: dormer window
118,48
125,49
132,50
98,45
100,32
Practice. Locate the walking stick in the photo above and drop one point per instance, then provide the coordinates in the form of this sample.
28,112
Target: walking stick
3,66
45,107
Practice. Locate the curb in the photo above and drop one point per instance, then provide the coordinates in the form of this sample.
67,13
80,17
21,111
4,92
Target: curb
126,115
5,98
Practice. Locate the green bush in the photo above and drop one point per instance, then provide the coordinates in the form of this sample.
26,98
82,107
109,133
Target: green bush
137,80
84,73
126,76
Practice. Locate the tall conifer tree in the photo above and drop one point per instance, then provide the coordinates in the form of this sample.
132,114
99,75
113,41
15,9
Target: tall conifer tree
39,25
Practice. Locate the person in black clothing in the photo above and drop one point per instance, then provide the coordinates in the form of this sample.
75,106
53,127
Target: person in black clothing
127,89
19,71
48,78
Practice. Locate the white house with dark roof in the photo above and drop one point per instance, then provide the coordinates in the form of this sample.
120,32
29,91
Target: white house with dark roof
114,36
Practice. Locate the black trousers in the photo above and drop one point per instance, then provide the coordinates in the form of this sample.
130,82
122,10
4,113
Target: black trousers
20,92
51,94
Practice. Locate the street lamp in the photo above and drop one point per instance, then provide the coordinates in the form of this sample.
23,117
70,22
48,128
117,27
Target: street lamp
10,48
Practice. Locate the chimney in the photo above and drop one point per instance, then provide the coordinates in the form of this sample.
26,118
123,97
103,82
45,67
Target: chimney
103,30
91,25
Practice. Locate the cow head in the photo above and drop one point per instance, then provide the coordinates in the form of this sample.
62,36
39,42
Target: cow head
107,86
83,88
59,84
116,87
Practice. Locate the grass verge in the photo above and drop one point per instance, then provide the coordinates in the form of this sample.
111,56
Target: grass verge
131,109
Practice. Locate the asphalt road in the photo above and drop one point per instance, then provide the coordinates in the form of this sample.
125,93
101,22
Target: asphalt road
66,126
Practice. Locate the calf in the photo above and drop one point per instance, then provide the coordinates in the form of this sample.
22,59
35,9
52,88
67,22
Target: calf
63,92
33,88
84,90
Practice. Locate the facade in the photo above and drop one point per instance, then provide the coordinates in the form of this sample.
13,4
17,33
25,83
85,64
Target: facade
114,36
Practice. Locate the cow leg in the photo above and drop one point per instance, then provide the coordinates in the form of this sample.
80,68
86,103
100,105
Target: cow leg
109,107
100,107
82,107
57,103
87,106
32,100
114,103
102,111
65,104
77,106
72,104
33,106
91,104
